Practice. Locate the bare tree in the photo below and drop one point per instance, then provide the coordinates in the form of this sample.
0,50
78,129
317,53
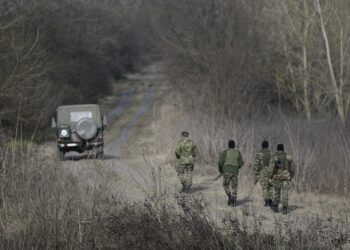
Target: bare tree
338,83
59,52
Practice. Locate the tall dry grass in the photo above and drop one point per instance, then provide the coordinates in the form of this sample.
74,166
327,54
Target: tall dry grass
44,205
320,150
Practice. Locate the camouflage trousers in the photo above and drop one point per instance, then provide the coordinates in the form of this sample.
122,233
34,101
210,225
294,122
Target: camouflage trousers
230,183
266,187
280,191
184,172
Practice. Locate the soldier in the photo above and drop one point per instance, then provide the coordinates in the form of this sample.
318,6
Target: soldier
229,164
186,151
261,167
281,172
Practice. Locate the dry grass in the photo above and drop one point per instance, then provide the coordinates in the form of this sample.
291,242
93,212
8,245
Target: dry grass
44,205
320,149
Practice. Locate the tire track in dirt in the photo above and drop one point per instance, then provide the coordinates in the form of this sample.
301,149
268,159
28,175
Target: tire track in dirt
125,101
126,120
149,98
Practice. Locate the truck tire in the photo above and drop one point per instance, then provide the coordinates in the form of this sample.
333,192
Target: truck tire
99,153
60,155
86,129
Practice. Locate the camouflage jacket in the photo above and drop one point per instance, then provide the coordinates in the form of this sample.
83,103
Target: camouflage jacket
186,151
230,161
281,166
262,162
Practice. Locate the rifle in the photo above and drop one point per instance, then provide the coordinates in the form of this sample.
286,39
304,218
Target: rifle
217,177
210,181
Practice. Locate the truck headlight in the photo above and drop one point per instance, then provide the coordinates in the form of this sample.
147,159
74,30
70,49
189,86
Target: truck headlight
64,133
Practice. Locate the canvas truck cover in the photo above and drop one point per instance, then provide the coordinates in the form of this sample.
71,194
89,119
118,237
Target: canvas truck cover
71,114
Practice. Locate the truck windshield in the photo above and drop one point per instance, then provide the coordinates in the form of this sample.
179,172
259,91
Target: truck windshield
76,116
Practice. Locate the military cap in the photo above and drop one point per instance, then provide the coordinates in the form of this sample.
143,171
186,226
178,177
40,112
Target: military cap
265,144
185,133
231,144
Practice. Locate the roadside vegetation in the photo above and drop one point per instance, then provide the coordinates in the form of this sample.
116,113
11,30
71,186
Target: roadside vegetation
45,206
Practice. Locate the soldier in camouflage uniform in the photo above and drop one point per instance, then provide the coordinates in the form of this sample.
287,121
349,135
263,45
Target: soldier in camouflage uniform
186,151
281,172
261,167
229,164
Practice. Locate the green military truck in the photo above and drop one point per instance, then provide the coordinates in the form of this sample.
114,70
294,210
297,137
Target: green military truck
79,128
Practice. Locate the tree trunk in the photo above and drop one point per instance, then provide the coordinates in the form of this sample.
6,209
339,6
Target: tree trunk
337,89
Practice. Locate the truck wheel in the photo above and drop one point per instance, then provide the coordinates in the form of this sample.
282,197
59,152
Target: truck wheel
60,155
86,129
99,153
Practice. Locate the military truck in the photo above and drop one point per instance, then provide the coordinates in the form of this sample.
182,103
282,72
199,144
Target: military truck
79,128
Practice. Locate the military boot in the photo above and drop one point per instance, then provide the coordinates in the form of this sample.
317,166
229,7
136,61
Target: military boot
233,203
269,202
229,201
285,210
275,208
266,203
183,190
188,190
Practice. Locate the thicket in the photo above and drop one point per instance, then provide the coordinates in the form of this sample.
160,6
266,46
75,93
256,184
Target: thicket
62,52
249,56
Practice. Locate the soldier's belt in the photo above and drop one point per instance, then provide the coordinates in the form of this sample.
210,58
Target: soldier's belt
281,178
